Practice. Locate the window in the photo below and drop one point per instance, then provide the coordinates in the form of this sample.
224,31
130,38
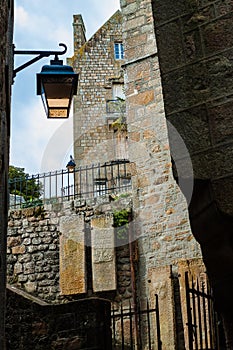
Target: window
100,187
118,91
119,51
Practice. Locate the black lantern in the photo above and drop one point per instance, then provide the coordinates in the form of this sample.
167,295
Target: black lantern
57,83
71,164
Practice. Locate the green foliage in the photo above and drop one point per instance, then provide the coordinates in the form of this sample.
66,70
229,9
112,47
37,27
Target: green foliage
32,203
121,223
120,124
121,218
20,183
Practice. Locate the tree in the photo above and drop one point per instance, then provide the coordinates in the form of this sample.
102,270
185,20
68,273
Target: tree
22,184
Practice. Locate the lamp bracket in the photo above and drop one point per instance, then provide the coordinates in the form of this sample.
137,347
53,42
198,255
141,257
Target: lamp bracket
40,54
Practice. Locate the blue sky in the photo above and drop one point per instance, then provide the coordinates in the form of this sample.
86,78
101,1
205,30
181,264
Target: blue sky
39,144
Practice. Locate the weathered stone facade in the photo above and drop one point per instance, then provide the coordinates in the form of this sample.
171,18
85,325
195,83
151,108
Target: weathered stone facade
48,251
51,247
6,34
196,69
34,324
94,60
194,41
160,209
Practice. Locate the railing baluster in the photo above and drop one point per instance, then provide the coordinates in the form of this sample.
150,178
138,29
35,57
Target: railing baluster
204,316
114,327
122,329
189,314
106,177
55,184
158,322
199,316
131,325
50,186
210,309
93,179
139,326
194,317
148,323
87,184
112,180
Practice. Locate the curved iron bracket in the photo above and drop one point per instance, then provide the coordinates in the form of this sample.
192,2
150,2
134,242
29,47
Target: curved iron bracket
40,54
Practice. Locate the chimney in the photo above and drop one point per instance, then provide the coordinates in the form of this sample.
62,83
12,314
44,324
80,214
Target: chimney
79,32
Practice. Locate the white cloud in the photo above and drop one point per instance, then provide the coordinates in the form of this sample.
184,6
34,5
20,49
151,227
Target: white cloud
21,17
41,25
31,137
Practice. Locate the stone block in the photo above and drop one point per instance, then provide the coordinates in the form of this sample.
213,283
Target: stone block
221,121
72,255
20,249
161,284
217,35
103,254
170,50
183,125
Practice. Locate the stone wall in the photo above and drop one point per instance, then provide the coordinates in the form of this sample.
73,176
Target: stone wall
195,45
6,34
33,324
94,60
52,253
160,209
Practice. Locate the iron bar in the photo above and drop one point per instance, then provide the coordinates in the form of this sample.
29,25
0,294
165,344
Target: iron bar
124,339
159,342
204,316
194,317
122,329
199,315
131,326
210,312
140,312
89,182
189,314
148,324
40,54
114,327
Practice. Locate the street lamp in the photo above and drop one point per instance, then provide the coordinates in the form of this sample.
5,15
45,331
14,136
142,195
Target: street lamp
56,83
71,169
71,165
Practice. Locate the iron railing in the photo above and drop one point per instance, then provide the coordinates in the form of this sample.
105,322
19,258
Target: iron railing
136,329
202,318
85,182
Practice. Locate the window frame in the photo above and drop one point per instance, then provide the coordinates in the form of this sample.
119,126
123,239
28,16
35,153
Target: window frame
118,50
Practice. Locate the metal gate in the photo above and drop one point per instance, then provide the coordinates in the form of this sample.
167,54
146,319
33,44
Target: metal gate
136,328
202,319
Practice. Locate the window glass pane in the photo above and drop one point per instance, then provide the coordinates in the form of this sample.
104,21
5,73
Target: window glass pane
119,51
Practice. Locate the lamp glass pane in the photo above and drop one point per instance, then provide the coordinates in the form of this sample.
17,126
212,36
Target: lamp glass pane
61,102
58,113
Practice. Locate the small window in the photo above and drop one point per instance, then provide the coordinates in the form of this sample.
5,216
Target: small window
118,91
100,187
119,51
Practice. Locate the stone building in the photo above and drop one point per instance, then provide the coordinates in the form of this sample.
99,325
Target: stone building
100,97
6,33
179,83
161,227
176,73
